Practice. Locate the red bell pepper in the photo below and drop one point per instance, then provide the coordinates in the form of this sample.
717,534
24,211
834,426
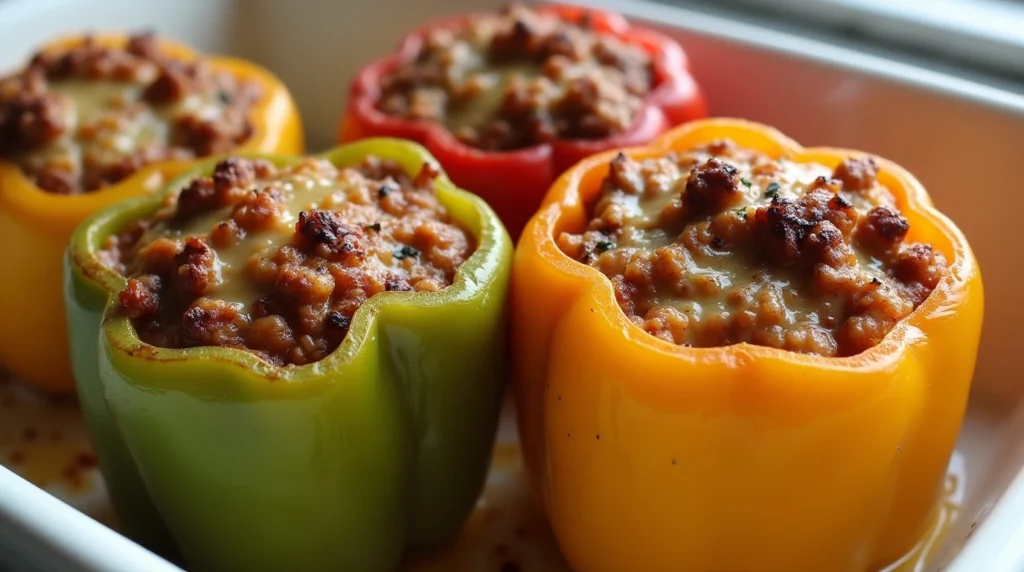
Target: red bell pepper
514,182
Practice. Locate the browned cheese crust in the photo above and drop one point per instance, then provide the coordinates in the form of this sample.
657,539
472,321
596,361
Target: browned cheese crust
722,245
520,78
278,260
85,118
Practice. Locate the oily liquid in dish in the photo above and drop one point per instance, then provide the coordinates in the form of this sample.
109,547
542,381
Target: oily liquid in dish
45,442
924,556
505,526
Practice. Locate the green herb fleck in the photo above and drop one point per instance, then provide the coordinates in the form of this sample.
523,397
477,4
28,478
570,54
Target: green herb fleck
405,252
772,191
745,182
224,97
375,227
741,212
385,190
603,245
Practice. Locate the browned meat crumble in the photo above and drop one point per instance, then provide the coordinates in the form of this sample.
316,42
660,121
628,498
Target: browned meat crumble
277,260
86,117
519,78
722,245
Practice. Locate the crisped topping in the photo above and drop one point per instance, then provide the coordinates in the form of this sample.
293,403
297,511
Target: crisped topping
196,267
520,78
882,229
856,174
84,117
722,245
811,228
714,185
327,234
277,260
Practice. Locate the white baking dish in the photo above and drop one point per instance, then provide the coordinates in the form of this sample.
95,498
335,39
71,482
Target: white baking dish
962,139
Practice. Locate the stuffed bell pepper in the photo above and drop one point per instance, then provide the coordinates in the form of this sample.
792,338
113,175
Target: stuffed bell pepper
300,361
507,101
734,353
90,121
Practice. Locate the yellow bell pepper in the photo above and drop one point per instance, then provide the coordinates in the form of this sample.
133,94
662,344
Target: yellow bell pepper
35,226
656,457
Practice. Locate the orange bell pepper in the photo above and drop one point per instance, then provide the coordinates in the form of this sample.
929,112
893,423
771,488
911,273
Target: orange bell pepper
652,456
35,226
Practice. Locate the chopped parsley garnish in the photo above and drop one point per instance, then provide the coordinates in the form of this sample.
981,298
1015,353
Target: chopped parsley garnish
745,182
741,212
375,227
603,245
772,191
405,252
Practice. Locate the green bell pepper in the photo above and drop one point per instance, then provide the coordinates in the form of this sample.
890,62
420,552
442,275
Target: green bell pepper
342,464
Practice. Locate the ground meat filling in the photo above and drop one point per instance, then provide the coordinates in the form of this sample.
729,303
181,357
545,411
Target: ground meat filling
84,118
277,260
722,245
520,78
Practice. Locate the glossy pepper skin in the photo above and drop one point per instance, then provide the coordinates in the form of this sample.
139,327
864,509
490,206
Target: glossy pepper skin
338,465
657,457
514,182
33,339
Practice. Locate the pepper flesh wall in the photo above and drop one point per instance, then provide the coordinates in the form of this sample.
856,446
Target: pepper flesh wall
651,455
380,445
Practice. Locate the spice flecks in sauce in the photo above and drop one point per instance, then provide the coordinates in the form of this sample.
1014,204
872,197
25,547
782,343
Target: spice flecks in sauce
84,117
278,260
520,78
721,245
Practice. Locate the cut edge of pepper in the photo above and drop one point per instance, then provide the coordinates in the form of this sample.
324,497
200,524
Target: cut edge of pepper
566,195
493,246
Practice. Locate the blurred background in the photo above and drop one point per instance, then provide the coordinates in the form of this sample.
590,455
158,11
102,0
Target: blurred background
983,37
937,85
